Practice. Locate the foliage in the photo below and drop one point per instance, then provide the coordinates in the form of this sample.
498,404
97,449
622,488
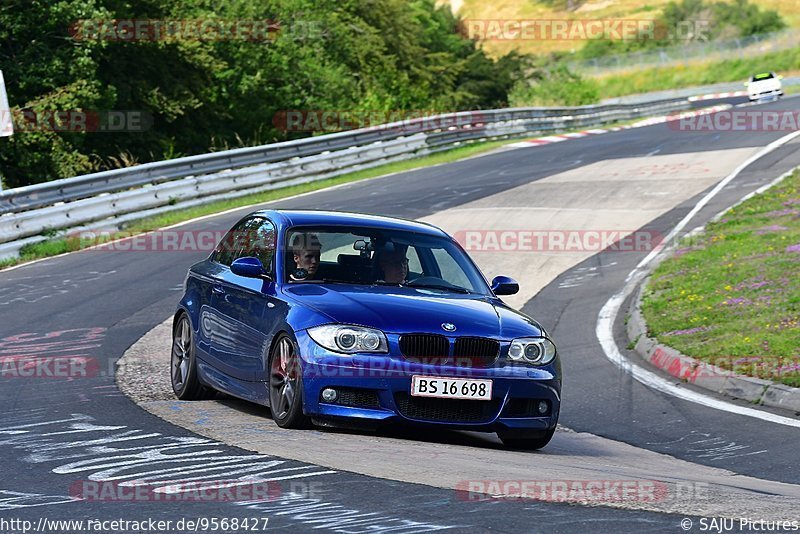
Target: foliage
554,86
199,95
729,70
692,20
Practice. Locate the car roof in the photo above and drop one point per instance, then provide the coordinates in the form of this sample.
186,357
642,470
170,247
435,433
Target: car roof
288,218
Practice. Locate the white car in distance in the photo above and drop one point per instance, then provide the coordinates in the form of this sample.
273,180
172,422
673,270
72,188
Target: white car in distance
764,85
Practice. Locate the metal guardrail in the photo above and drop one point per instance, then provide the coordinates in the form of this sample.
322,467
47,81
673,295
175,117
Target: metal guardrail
72,202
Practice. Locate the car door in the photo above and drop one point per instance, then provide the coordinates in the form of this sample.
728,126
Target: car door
241,306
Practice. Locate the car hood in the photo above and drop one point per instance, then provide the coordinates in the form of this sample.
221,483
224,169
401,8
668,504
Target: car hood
763,85
402,310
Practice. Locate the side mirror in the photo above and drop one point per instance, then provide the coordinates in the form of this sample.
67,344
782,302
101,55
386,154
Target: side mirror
503,285
249,267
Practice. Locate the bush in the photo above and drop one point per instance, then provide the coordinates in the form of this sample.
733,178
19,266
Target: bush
370,55
722,20
556,86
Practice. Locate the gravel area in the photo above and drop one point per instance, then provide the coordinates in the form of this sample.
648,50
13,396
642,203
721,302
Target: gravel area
143,371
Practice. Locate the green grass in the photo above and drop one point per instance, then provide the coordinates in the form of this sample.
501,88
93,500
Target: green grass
591,9
59,244
676,77
791,89
731,296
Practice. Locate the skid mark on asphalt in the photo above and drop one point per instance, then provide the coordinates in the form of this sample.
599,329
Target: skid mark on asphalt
318,513
703,445
78,445
63,354
582,274
14,500
31,289
119,456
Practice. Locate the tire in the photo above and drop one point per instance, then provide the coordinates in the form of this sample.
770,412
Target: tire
528,444
286,385
183,363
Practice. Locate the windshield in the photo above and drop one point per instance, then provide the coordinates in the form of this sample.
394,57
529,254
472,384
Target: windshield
370,256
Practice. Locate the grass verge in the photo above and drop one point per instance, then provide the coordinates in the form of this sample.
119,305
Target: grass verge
680,76
59,244
731,296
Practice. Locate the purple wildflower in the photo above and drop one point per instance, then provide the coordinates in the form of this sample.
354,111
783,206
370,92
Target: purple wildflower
687,331
781,213
737,300
770,228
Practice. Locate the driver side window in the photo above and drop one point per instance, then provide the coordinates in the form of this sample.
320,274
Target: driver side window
254,236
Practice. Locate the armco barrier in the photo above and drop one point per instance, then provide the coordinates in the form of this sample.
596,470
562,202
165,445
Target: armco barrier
29,211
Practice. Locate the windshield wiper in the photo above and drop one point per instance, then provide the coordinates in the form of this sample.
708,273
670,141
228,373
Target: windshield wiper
321,281
454,289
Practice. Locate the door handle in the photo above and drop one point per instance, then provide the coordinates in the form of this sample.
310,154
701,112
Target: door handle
217,290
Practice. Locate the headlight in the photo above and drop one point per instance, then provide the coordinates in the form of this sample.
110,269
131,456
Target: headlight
532,350
349,339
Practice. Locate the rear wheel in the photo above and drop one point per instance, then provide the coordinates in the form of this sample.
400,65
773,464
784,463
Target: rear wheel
183,364
528,444
286,385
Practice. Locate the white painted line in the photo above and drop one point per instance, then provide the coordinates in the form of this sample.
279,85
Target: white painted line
609,312
717,95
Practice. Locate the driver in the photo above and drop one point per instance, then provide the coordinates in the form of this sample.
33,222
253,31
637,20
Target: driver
305,249
393,264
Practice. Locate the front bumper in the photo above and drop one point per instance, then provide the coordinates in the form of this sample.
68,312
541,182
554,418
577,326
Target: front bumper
768,93
376,388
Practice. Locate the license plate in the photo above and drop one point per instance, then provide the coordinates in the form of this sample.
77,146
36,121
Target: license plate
451,388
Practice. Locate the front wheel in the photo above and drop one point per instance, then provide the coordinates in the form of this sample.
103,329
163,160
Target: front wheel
286,385
528,444
183,364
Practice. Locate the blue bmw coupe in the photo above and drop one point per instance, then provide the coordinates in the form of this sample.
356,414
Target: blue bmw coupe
334,318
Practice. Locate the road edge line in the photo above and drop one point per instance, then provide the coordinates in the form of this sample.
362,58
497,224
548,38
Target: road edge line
607,316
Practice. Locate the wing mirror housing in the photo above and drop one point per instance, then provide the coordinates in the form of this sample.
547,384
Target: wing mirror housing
249,267
503,285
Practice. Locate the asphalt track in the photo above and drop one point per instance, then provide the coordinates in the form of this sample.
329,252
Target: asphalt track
117,297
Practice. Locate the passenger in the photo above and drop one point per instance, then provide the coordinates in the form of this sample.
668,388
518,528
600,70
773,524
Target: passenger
306,249
393,264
